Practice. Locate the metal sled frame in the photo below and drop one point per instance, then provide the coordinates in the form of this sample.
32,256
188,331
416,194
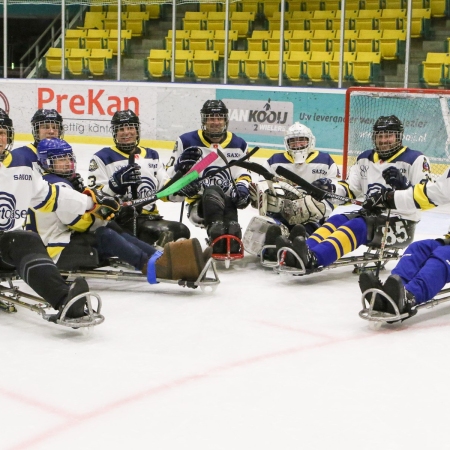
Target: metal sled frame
11,296
378,318
228,256
369,260
126,272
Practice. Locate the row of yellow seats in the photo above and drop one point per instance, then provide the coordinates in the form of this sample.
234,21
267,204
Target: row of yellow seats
365,4
434,71
134,21
92,38
360,67
240,21
78,62
202,40
390,43
153,10
201,64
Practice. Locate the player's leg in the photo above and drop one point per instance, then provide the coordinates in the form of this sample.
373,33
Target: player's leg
213,208
151,230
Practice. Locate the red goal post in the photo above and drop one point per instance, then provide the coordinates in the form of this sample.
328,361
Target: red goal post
425,114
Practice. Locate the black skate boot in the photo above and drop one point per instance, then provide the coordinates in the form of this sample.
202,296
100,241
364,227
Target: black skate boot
272,233
289,258
404,300
306,255
77,310
368,280
215,230
235,230
298,230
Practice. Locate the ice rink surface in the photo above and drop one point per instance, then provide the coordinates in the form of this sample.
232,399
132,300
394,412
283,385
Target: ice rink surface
266,361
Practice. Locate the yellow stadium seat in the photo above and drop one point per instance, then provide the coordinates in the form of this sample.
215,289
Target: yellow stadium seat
321,20
258,40
200,40
250,6
365,69
181,37
111,42
352,5
254,65
75,38
272,69
311,5
393,44
439,8
370,4
433,74
298,38
273,43
269,7
94,19
99,62
53,60
209,7
420,23
331,5
215,21
367,19
194,20
158,63
183,63
350,37
136,22
393,4
392,19
76,61
242,22
350,14
314,69
322,41
235,66
133,8
332,67
96,38
219,41
368,41
205,64
154,11
294,63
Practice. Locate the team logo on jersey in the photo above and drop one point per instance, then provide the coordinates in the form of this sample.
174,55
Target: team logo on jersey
221,179
363,170
8,212
93,165
147,188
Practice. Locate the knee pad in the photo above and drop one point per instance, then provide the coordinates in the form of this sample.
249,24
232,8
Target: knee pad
213,197
14,245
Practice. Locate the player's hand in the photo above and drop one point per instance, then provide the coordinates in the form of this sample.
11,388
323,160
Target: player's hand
190,190
395,178
125,215
77,182
325,184
187,159
240,196
125,177
105,206
383,199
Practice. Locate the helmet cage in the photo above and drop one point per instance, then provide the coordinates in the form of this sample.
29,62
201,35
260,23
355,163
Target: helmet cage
9,136
213,109
48,118
51,151
297,134
126,147
387,127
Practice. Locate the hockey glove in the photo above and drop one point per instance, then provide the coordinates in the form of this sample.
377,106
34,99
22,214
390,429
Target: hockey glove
240,196
188,158
383,199
395,178
190,190
125,215
125,177
105,206
325,184
77,182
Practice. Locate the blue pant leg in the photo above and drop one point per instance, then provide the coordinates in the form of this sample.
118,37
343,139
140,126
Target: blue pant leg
433,275
348,237
146,248
326,229
414,258
109,244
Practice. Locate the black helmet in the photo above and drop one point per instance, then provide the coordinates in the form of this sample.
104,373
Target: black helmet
214,108
6,124
121,119
387,126
48,117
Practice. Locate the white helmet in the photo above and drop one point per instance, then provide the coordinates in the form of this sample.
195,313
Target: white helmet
296,144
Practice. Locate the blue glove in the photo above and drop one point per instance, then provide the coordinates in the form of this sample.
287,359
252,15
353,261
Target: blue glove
187,159
325,184
240,196
125,177
395,178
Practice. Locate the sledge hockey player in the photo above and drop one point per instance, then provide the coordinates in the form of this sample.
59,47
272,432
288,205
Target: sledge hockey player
424,269
286,205
214,203
69,236
111,169
343,233
21,186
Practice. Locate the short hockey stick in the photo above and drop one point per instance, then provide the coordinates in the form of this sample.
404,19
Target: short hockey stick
312,190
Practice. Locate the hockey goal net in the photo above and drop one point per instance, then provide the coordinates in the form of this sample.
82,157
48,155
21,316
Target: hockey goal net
425,114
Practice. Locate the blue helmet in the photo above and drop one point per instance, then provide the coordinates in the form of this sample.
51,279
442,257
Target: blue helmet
49,151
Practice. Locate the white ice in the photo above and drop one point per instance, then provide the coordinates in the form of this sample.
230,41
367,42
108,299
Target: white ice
265,362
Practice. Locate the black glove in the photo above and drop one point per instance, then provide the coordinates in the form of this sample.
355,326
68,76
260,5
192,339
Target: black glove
395,178
190,190
325,184
105,206
126,176
77,182
125,215
383,199
187,159
240,196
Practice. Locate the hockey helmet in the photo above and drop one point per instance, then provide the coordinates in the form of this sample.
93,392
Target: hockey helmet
6,124
214,109
299,142
119,121
51,153
48,119
387,136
